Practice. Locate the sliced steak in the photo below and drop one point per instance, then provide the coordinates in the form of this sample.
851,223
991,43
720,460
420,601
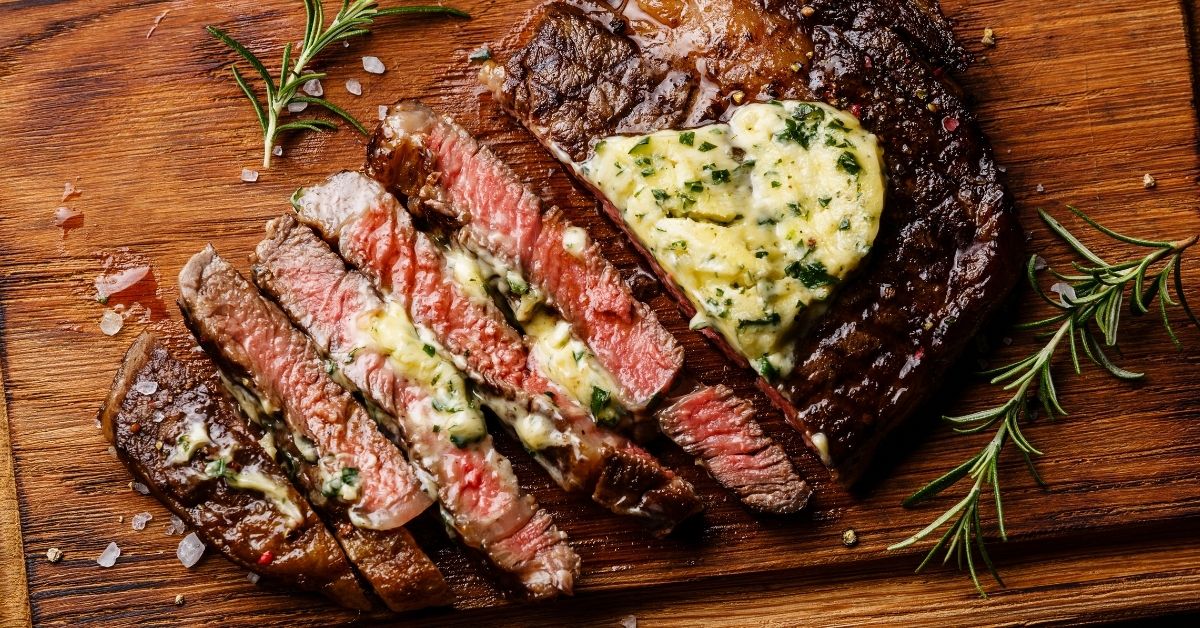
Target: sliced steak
949,246
475,483
354,476
375,235
435,161
718,428
213,473
503,219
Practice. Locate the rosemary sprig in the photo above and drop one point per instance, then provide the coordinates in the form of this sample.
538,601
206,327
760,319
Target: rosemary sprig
1090,301
352,20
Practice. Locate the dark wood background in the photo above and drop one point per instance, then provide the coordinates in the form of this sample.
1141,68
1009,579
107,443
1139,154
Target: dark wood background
1081,99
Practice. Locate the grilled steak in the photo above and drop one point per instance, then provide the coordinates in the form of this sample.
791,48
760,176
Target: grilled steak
948,245
503,219
214,475
438,165
375,234
476,485
354,476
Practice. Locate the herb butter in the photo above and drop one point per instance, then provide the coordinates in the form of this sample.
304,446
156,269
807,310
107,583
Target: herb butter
757,220
416,355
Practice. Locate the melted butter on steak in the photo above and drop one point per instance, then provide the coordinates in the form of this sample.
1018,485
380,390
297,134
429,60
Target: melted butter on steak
758,220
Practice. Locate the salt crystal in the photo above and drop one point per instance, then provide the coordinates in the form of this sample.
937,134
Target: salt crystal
373,65
312,87
111,323
139,487
98,426
1039,263
112,451
383,111
69,190
146,386
1041,188
63,214
249,176
1065,292
190,550
1006,340
158,416
629,621
277,151
176,527
253,577
354,87
139,520
297,106
108,557
112,283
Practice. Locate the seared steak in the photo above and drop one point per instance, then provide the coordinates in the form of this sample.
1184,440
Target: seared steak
375,234
475,483
948,247
354,476
439,166
179,433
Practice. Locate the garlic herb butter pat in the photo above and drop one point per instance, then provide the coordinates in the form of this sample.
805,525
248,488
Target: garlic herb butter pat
758,220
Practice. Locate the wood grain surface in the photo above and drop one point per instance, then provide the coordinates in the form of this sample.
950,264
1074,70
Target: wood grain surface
1080,98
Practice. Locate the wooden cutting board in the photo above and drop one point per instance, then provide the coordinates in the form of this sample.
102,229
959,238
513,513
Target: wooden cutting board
1081,100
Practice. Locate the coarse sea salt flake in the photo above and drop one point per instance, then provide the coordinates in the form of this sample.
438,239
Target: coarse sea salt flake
111,323
297,107
140,520
1065,292
249,176
63,214
373,65
176,527
277,151
313,87
190,550
109,556
140,488
383,109
253,577
354,87
146,386
629,621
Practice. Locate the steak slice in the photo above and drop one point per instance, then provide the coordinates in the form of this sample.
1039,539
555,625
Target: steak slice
502,219
718,428
475,483
949,245
376,236
434,161
246,508
322,431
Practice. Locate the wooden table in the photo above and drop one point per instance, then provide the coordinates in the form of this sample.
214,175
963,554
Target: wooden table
1082,100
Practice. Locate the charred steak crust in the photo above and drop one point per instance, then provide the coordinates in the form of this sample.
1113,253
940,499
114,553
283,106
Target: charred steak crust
242,524
949,244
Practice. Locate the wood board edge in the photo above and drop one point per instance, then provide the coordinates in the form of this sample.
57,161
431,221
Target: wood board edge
14,591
